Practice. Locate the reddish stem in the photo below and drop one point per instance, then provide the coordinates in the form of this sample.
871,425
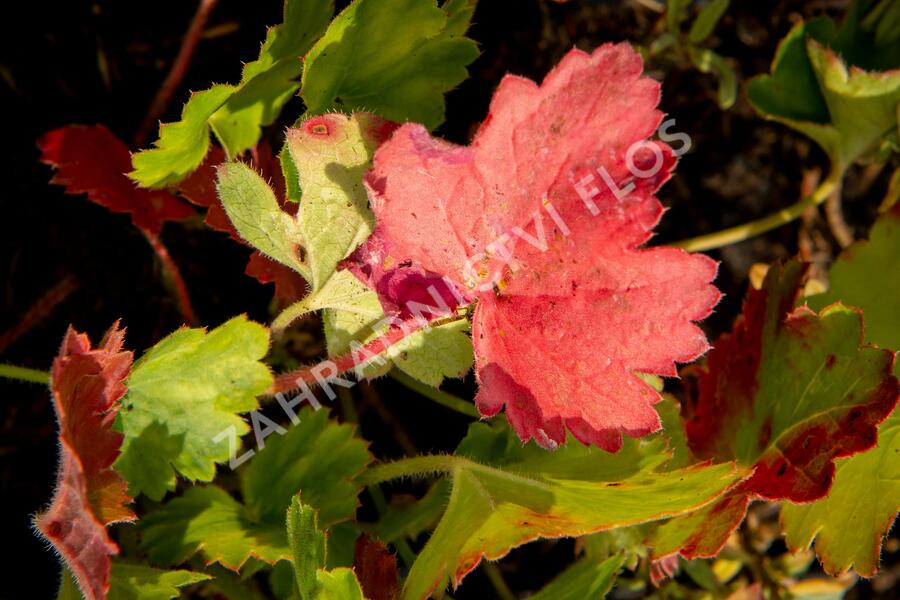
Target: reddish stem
176,72
173,278
39,310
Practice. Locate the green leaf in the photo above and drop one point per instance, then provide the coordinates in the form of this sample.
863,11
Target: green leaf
784,394
331,153
586,578
848,525
317,457
182,395
137,582
862,105
209,518
525,493
707,20
256,215
182,145
308,549
269,82
396,58
836,86
236,113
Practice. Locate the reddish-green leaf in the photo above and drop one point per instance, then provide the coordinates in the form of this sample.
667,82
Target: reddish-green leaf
849,523
784,394
86,383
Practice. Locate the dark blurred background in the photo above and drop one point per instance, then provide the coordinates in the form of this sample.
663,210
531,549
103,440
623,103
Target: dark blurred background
91,62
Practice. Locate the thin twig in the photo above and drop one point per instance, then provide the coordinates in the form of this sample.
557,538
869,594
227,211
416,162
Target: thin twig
173,278
176,72
39,310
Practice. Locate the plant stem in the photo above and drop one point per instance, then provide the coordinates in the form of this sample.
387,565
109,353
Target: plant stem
753,228
834,216
24,374
338,365
173,278
496,579
435,394
417,466
176,72
40,310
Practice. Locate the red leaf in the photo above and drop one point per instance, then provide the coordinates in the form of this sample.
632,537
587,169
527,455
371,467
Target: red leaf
289,285
785,393
560,333
86,385
200,188
376,568
91,160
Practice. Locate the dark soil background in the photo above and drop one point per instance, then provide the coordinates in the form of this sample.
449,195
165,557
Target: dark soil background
102,62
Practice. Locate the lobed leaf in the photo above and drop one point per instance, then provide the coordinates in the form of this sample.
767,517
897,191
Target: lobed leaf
449,213
848,525
839,86
369,59
86,383
184,396
784,394
137,582
523,493
331,153
91,160
236,113
317,457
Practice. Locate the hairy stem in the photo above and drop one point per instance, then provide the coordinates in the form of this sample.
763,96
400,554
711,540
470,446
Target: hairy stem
746,231
435,394
173,278
176,72
417,466
24,374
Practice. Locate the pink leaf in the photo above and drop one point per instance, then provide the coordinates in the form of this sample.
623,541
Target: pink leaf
86,385
560,329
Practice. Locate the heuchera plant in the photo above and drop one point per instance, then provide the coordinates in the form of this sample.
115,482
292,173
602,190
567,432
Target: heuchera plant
523,256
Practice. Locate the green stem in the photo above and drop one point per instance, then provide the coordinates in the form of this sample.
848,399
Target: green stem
417,466
754,228
441,397
24,374
496,579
